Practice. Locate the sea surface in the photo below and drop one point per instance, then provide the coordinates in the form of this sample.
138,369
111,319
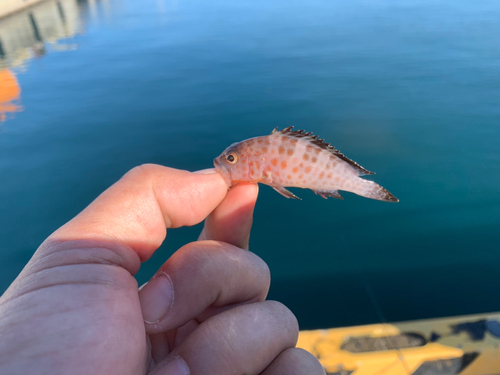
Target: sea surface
408,89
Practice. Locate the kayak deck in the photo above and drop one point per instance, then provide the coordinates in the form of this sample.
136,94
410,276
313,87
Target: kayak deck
466,345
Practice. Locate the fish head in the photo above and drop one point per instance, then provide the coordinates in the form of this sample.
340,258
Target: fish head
231,165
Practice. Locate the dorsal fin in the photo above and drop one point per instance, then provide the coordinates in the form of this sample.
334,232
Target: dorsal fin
314,140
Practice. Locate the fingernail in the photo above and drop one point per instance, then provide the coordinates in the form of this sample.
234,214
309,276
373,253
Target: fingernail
174,366
206,171
156,298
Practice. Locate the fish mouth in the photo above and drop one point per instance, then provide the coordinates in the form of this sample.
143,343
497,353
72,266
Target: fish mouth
223,171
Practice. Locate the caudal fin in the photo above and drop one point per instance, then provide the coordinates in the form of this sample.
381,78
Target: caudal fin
370,189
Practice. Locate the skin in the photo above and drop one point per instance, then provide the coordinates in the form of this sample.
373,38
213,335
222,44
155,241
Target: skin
76,308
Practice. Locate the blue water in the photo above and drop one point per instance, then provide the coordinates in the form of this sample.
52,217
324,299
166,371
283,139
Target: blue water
408,89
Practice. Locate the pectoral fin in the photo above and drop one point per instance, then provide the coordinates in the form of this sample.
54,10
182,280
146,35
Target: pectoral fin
328,193
285,193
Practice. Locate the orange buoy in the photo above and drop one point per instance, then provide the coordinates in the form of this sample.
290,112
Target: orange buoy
10,94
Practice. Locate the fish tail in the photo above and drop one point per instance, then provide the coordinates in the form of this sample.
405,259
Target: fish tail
370,189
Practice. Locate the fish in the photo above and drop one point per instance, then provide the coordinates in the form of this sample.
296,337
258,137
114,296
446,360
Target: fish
295,158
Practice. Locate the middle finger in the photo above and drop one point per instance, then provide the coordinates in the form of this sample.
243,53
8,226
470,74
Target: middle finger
200,275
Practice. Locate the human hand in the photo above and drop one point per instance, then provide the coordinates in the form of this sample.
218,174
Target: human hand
76,308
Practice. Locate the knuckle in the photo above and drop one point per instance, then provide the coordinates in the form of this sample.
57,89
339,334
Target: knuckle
205,259
307,360
265,271
295,361
302,356
142,170
142,174
192,256
284,316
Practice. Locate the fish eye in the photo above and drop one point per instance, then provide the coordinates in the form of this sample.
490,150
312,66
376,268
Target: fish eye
232,158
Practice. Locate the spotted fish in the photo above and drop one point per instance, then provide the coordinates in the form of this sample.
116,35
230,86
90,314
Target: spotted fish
294,158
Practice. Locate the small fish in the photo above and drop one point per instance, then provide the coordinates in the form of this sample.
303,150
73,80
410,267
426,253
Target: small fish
294,158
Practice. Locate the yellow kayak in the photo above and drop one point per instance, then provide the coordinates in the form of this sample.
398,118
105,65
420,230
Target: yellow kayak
465,345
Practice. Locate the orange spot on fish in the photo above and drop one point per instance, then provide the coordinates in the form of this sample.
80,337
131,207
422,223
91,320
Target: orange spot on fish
317,150
306,156
300,177
321,175
266,142
283,164
257,165
264,149
268,168
293,141
329,175
281,150
259,141
289,151
314,159
337,179
308,169
289,177
295,170
250,164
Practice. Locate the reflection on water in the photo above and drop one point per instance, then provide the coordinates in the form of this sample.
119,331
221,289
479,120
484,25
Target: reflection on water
31,33
10,94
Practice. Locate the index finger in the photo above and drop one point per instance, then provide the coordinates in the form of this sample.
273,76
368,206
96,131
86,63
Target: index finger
231,221
137,210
